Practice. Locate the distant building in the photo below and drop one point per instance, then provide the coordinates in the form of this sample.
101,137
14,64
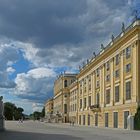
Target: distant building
61,96
49,110
1,114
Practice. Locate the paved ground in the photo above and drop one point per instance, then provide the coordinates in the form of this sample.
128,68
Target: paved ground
43,131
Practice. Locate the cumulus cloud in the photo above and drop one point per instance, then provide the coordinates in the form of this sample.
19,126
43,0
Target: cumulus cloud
36,107
10,70
35,85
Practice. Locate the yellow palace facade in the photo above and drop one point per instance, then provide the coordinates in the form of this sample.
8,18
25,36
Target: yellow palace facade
109,83
107,88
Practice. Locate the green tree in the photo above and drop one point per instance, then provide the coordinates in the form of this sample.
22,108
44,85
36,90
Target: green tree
12,112
9,110
137,119
19,113
37,115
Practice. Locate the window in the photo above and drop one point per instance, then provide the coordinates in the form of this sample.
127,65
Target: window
117,73
89,86
97,84
84,119
65,95
106,119
65,108
117,59
88,119
117,89
128,52
89,100
75,107
80,103
85,102
128,90
107,66
85,81
107,96
65,83
97,72
115,119
80,83
128,68
89,83
80,119
85,89
52,106
108,78
89,79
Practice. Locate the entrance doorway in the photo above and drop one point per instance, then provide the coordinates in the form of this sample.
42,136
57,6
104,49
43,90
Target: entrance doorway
96,119
106,119
126,114
115,119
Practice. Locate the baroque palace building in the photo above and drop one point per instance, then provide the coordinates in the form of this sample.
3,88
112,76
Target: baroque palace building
107,88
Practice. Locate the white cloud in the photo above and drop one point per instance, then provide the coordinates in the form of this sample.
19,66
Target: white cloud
37,107
35,85
29,52
41,73
10,70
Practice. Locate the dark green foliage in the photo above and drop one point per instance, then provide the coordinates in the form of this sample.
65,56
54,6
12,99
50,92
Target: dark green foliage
12,112
137,120
37,115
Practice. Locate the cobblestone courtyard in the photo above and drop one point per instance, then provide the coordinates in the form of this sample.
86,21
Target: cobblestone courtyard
30,130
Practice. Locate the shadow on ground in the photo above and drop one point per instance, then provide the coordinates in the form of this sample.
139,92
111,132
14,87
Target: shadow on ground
13,135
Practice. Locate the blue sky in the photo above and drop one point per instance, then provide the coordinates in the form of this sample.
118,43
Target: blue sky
51,37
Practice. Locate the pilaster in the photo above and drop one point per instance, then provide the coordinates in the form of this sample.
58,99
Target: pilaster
134,71
112,81
122,78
